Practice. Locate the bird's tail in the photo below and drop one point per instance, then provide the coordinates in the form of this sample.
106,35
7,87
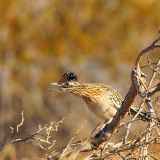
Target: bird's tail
145,116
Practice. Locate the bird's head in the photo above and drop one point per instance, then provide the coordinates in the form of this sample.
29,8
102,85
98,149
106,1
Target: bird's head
67,82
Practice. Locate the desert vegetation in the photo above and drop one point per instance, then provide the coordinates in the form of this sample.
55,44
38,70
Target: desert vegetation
98,40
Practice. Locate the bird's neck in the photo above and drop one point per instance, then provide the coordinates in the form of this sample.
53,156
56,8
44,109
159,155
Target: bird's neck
86,91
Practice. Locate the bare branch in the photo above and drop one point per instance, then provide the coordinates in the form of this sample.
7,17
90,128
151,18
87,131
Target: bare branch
141,142
153,46
18,125
43,136
22,121
105,134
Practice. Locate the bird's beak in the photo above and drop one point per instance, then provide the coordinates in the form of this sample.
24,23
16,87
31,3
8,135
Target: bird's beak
60,87
55,86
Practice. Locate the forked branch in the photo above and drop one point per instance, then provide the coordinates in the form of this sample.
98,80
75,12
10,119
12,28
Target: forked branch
137,87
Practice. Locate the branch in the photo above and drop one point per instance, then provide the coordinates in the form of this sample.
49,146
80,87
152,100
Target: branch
105,133
157,89
153,46
43,136
137,86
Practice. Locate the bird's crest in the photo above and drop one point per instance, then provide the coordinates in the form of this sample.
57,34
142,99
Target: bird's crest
67,77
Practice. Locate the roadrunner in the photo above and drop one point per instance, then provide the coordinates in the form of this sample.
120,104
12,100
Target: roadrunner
101,99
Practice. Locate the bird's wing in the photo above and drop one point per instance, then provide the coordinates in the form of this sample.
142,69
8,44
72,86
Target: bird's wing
116,98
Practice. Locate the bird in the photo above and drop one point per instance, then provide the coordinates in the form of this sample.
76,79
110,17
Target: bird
101,99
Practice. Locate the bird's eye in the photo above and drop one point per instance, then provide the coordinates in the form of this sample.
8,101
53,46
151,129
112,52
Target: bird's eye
66,84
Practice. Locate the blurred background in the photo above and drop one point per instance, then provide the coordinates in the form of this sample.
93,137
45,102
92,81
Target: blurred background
40,40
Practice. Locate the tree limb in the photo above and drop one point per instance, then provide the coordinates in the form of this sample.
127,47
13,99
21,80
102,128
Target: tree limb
106,132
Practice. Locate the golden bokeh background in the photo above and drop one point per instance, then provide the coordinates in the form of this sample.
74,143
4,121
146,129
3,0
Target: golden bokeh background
40,40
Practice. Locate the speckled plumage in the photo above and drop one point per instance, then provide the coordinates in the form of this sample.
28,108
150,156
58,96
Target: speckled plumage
101,99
